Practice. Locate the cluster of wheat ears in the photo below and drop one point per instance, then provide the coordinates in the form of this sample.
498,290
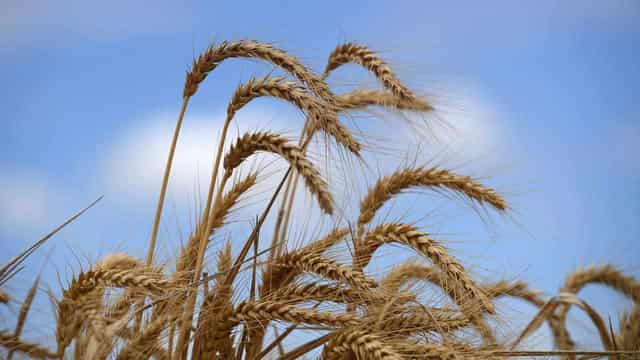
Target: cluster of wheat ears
125,308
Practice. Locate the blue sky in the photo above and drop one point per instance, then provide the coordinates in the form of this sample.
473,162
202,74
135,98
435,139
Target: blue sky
542,95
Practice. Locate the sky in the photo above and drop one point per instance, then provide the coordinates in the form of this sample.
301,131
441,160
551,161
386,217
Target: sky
540,98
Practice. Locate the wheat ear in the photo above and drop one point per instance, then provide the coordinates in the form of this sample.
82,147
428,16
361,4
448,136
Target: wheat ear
32,350
362,98
429,351
145,343
24,311
629,336
267,311
605,275
322,292
115,271
415,322
363,56
250,143
329,269
414,271
214,307
361,344
322,244
213,55
391,185
422,243
187,258
320,114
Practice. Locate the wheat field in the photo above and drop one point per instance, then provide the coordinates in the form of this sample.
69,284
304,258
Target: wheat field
122,307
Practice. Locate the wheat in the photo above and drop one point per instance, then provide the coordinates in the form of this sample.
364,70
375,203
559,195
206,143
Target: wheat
316,264
605,275
266,311
318,112
214,307
429,351
24,311
365,57
213,55
101,311
629,336
393,184
361,343
187,258
409,235
32,350
250,143
144,344
361,98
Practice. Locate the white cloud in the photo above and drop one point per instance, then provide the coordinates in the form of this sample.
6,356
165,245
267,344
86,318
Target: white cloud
468,128
135,165
23,202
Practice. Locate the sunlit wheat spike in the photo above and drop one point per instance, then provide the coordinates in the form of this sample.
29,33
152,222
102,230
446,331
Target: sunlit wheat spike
391,185
422,243
214,55
144,344
606,275
362,55
429,351
329,269
362,98
359,343
251,143
265,311
322,115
